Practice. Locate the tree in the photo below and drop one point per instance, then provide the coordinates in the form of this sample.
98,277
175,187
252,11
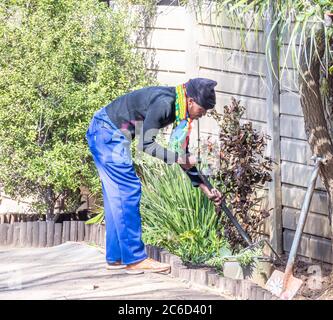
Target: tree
60,61
317,104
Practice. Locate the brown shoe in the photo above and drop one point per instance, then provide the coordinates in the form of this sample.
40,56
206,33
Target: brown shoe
115,266
147,265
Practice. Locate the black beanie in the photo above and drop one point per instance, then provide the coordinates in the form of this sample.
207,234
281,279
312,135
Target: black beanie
202,91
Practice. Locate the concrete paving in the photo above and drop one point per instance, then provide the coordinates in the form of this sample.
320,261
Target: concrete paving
77,271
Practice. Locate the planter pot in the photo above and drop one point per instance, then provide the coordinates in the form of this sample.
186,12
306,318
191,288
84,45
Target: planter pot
259,272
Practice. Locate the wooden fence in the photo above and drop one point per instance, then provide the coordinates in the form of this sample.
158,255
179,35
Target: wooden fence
185,44
41,234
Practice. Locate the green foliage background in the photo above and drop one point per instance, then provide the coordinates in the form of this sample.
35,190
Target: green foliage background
60,61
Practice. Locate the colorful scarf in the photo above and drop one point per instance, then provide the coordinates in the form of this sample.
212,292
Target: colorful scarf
182,126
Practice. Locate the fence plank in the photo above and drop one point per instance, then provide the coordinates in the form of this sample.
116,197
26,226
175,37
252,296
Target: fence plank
10,231
259,126
103,236
316,224
233,83
290,104
23,234
29,233
170,78
57,234
296,151
50,233
164,59
232,61
292,127
42,234
95,239
299,175
164,39
255,108
35,233
286,59
66,231
100,237
73,232
209,125
293,197
231,39
166,16
287,32
87,231
211,14
80,231
97,234
310,246
289,80
93,233
3,233
16,234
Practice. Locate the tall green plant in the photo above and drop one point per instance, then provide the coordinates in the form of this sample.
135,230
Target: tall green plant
60,61
177,216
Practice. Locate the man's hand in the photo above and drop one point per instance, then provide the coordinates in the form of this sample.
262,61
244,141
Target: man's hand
187,162
213,195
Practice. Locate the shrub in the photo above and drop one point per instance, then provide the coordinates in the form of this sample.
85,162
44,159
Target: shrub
242,167
60,61
177,216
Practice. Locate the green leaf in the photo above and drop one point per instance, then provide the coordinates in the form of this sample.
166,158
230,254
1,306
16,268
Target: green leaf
330,70
97,219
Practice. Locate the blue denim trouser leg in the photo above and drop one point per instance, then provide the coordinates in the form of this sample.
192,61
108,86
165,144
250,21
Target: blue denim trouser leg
121,190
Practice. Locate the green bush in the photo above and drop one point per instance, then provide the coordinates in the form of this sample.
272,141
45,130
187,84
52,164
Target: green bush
177,216
60,61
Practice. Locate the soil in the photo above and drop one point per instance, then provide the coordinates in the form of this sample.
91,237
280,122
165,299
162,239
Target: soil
317,279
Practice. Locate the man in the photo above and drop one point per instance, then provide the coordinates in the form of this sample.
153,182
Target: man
110,132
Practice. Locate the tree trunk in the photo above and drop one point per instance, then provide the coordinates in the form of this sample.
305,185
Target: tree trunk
49,199
316,126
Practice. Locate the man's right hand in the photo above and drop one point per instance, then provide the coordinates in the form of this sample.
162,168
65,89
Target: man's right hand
187,162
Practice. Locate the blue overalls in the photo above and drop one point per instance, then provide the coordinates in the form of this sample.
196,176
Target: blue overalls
121,190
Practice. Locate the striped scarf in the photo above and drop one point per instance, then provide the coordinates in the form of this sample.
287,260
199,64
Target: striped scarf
182,125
